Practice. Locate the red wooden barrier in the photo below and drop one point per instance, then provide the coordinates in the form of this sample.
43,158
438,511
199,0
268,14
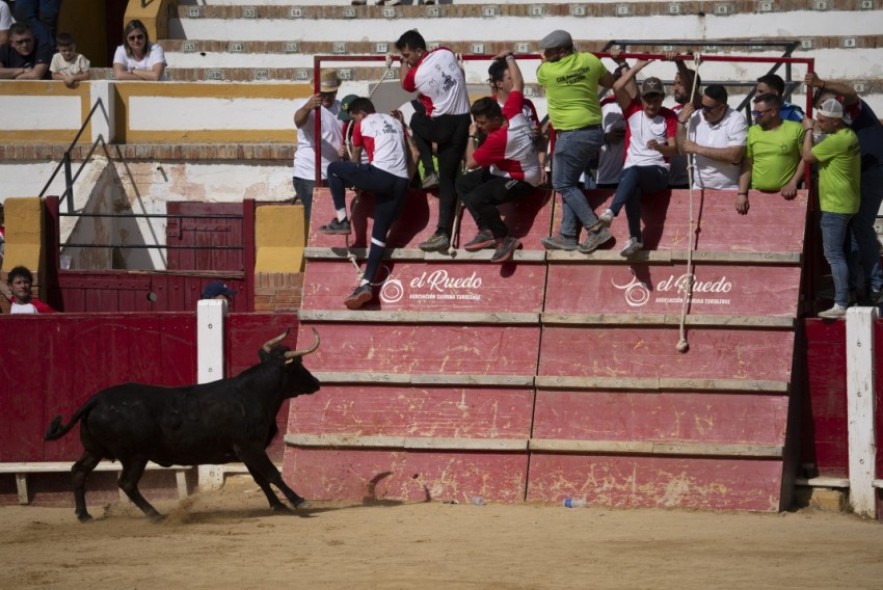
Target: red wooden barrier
54,363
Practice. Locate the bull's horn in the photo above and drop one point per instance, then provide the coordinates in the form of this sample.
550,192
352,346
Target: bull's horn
274,341
291,354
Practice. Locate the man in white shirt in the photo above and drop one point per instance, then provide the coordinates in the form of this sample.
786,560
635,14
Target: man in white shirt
331,138
715,137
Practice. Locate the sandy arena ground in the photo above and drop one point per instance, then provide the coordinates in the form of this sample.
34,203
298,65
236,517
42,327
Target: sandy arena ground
230,539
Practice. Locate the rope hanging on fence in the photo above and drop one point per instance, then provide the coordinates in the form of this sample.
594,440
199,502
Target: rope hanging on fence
686,287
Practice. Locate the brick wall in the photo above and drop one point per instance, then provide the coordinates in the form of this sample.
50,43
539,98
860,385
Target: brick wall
276,291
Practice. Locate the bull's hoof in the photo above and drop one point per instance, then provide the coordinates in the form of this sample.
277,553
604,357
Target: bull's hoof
84,517
303,505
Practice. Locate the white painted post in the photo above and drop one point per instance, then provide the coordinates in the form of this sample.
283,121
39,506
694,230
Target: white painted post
102,120
210,315
860,396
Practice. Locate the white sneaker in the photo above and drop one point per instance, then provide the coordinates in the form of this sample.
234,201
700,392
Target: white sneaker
606,218
631,247
833,313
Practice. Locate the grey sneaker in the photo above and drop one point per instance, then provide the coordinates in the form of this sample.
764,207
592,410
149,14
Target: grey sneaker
559,242
438,242
833,313
631,247
429,181
359,297
506,248
336,227
483,239
594,240
606,218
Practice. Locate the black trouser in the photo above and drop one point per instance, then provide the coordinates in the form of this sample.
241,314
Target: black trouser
389,193
449,133
482,192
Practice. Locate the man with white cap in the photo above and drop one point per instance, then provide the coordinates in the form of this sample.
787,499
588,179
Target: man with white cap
571,79
839,160
865,247
331,138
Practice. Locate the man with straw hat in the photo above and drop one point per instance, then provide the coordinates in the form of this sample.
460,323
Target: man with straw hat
331,137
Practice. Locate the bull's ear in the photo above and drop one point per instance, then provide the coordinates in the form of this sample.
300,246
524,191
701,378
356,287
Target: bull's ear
263,355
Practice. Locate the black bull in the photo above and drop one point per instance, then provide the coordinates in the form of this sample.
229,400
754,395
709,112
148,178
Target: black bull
228,420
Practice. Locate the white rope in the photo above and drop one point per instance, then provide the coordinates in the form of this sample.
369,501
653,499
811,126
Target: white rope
686,288
350,254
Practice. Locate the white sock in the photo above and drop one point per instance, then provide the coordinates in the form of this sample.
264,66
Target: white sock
341,214
363,282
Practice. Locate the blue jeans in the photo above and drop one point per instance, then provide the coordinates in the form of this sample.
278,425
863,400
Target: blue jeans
573,152
834,229
303,189
41,16
634,182
864,247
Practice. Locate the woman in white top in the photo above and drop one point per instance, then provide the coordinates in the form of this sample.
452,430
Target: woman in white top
137,58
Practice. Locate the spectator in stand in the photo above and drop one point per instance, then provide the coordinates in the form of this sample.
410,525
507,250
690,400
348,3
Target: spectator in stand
218,290
773,84
331,138
26,56
650,135
137,58
67,64
679,176
772,161
501,83
715,137
6,21
441,117
839,158
40,15
571,79
505,167
19,281
386,176
864,247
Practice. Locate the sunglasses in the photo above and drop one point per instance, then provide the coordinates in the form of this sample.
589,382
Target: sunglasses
138,37
759,114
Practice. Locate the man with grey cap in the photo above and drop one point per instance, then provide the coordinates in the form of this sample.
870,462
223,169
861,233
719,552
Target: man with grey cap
571,79
650,134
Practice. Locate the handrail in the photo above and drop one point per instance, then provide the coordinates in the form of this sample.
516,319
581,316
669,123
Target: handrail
66,160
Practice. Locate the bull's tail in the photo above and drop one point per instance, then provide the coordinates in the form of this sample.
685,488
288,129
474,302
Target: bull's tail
56,430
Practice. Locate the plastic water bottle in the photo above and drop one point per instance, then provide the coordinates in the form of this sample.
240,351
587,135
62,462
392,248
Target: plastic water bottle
478,500
574,502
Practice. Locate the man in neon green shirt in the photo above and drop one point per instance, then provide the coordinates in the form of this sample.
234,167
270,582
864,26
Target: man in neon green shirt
839,160
772,160
571,79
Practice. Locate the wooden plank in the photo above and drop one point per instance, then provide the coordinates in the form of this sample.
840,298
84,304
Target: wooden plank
366,475
404,378
468,287
655,481
825,482
860,399
657,289
429,411
607,256
338,441
710,417
408,348
421,317
410,254
658,319
654,384
643,447
626,352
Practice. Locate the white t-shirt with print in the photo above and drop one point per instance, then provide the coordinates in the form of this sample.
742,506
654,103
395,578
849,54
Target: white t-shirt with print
331,138
731,130
155,56
70,68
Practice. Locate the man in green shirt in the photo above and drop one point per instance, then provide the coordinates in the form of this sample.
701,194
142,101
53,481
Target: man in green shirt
839,160
571,79
772,160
